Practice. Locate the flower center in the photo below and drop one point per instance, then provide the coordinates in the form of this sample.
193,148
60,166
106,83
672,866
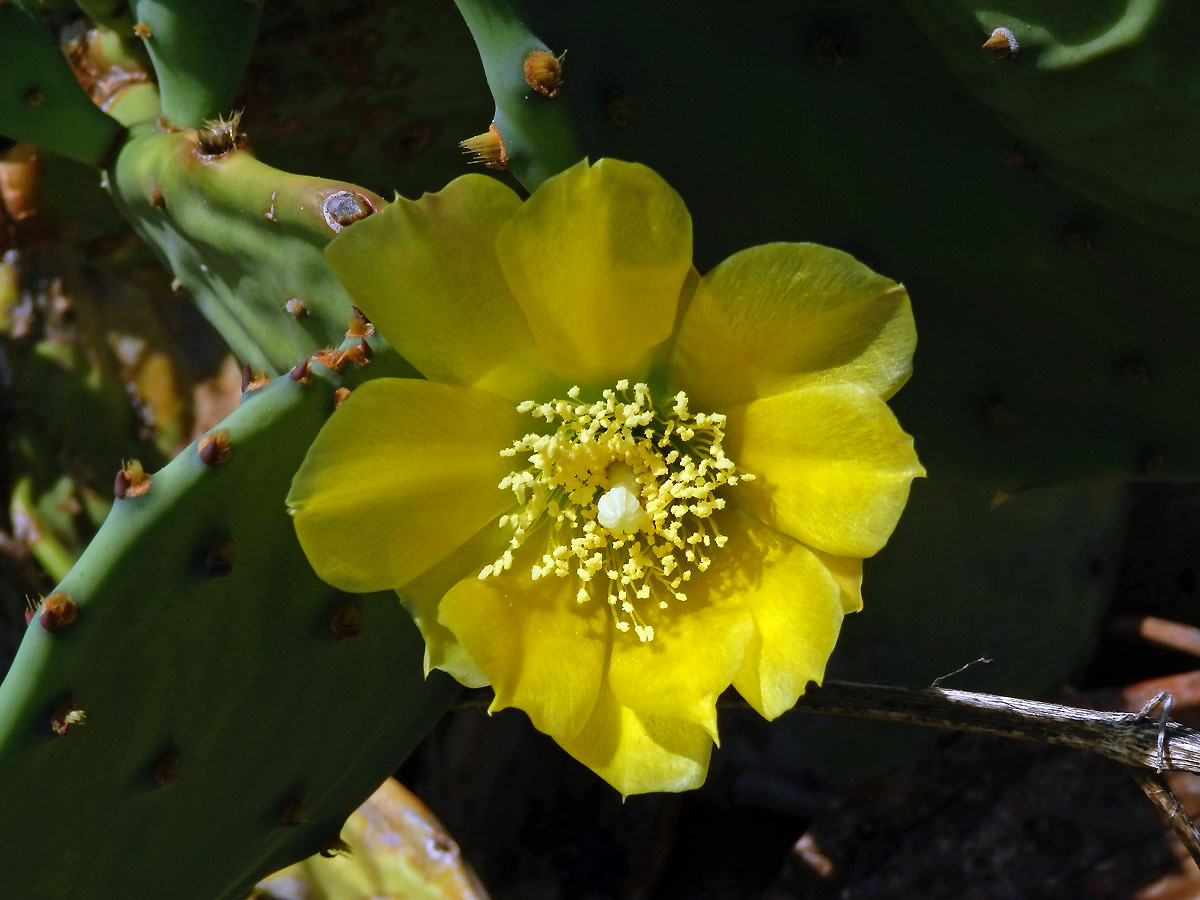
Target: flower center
626,497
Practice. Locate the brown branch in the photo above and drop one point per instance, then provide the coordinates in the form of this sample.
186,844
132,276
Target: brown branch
1132,739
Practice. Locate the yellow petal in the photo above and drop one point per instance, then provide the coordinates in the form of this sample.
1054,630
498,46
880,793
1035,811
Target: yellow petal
637,754
423,595
847,570
832,466
541,651
597,258
402,474
697,647
778,317
425,273
796,604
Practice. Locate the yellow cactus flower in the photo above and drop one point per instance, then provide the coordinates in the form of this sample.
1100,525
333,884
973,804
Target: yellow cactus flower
623,486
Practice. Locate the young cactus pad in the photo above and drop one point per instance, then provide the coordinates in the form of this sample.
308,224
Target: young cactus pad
213,712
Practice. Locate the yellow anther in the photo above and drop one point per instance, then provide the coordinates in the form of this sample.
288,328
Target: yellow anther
623,491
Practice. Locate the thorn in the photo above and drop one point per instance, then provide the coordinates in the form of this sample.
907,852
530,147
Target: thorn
220,558
543,72
487,148
295,306
34,97
214,448
269,211
57,611
359,326
156,197
335,847
167,770
220,135
176,285
142,30
1003,40
132,481
346,621
295,813
339,396
303,372
251,380
65,716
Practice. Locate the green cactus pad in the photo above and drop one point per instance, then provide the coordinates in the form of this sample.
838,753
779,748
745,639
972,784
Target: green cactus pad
1107,94
244,239
199,51
40,100
237,709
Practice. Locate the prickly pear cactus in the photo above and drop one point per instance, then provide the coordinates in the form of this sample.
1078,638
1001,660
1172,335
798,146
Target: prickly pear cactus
191,693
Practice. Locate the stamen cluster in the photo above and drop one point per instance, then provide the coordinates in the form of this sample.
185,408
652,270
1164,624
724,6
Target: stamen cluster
673,464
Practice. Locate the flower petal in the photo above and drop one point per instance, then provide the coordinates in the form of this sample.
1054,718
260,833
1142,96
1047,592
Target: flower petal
778,317
541,651
425,273
597,258
423,595
401,475
797,606
697,647
637,754
832,466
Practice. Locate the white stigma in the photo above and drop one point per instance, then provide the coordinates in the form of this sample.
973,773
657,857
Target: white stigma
619,511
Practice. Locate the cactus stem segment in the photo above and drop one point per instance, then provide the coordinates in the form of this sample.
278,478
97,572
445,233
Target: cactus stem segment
214,448
131,481
57,611
487,149
543,72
